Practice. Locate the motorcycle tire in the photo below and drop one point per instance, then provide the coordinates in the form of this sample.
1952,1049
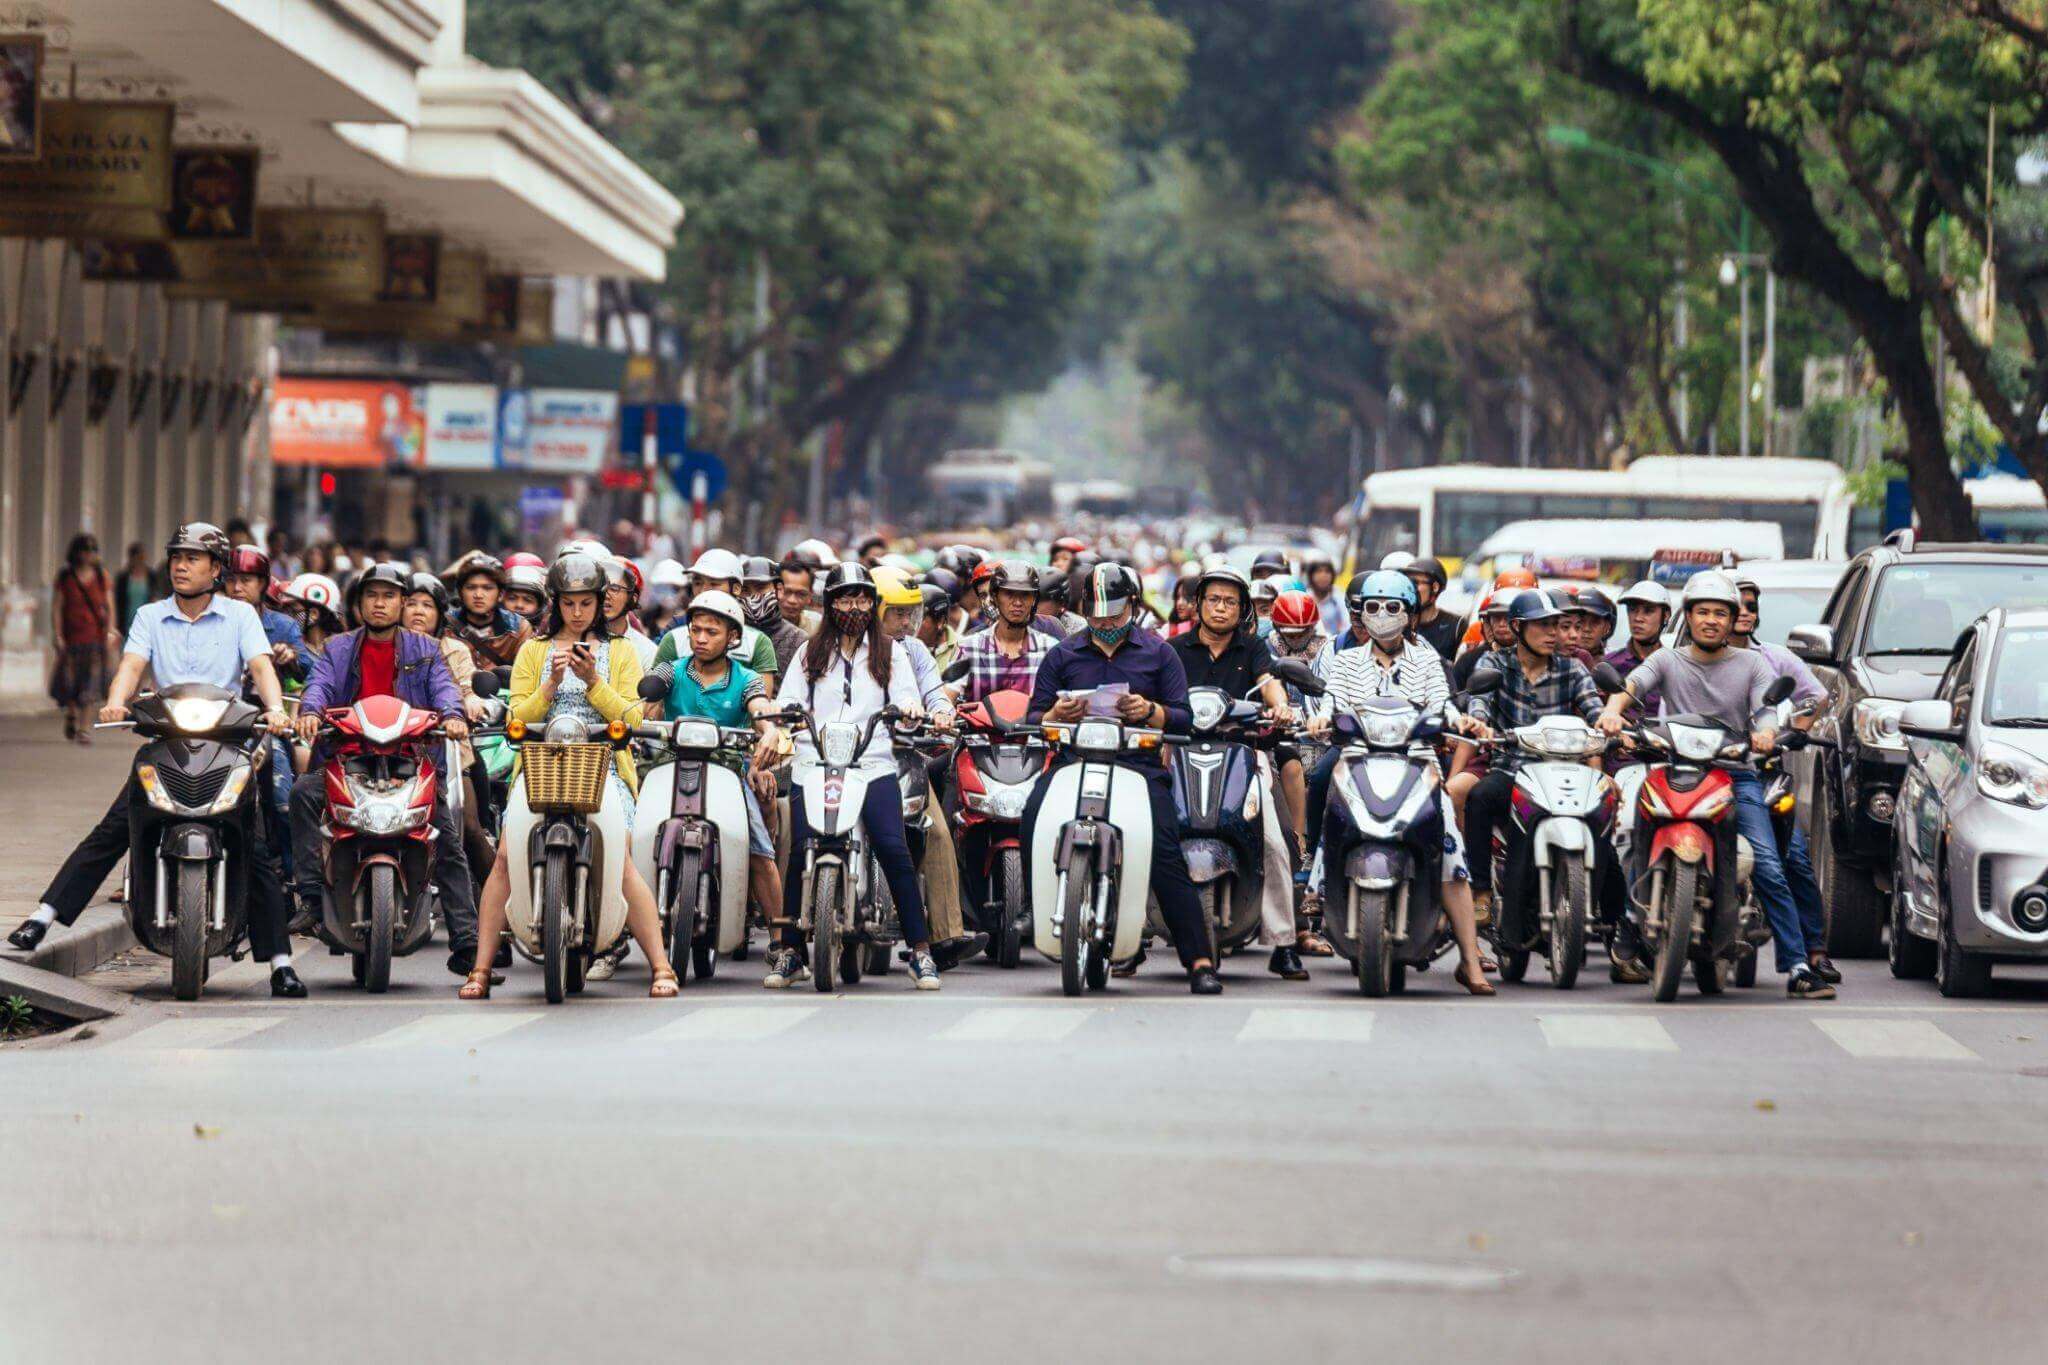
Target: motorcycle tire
825,927
188,938
1710,974
1571,909
1007,943
703,963
357,968
554,927
1745,967
1075,947
686,887
1514,963
383,892
877,959
853,963
1375,959
1675,950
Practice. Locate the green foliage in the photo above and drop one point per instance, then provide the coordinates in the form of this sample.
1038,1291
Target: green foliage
17,1016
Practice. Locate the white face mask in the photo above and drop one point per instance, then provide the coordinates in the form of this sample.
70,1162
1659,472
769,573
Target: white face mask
1386,627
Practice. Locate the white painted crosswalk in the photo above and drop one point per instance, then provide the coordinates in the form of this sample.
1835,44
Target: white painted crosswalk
184,1035
1015,1024
1306,1026
1609,1032
733,1024
465,1028
1895,1039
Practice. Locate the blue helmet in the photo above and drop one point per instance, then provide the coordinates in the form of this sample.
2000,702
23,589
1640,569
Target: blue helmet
1534,604
1381,583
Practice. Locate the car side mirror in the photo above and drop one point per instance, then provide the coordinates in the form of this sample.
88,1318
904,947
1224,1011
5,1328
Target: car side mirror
1813,643
1931,719
650,688
485,684
1299,674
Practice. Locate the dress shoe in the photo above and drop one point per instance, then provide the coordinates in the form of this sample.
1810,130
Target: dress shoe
1286,964
1824,967
1204,981
285,984
951,952
29,934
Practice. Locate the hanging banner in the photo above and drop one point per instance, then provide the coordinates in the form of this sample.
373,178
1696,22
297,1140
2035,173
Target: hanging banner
300,258
457,307
21,96
461,427
566,431
412,268
343,423
213,193
104,171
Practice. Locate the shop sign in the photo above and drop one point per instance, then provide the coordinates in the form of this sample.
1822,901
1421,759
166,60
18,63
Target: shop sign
568,431
412,268
343,423
21,96
104,170
299,257
461,427
213,193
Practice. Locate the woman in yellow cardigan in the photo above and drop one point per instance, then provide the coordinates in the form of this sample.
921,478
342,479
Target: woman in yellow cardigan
574,669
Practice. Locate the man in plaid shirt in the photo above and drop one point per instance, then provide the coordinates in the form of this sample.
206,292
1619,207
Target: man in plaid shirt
1005,657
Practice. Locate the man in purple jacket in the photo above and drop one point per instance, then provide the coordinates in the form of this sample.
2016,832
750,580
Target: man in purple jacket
380,659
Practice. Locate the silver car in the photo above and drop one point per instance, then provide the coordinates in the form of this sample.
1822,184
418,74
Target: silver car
1970,848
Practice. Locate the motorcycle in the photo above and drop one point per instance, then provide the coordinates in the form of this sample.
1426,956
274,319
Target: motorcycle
188,840
377,896
1094,827
1560,804
997,763
695,857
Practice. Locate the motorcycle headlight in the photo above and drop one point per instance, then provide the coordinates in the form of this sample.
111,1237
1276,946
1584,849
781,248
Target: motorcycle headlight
565,730
837,745
145,774
1384,729
195,715
1252,801
1695,743
2008,775
1007,803
387,815
694,734
231,791
1207,708
1877,723
1098,736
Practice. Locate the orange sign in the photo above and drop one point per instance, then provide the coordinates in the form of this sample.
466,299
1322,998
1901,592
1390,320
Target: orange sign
343,423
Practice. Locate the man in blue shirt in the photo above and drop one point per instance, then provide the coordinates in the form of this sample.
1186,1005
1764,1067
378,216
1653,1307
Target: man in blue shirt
197,635
1113,651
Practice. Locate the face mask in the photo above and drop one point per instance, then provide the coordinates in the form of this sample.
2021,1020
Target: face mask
853,620
1110,635
761,610
1387,626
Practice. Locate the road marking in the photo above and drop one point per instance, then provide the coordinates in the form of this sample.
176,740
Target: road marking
1907,1039
1297,1025
1611,1032
733,1023
1006,1025
194,1034
452,1030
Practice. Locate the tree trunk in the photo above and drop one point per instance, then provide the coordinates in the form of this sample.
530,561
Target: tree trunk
1938,499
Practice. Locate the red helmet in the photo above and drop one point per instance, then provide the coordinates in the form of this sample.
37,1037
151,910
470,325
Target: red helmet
1071,543
1294,610
635,580
984,571
522,560
1515,578
249,559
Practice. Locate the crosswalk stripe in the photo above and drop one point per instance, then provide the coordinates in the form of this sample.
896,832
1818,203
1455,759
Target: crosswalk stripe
1611,1032
1897,1039
733,1023
466,1028
1307,1026
1015,1025
190,1034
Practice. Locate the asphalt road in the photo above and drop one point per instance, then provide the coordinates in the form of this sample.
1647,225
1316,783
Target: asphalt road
1289,1172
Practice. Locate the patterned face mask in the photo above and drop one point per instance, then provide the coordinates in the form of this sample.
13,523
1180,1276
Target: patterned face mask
853,619
1110,635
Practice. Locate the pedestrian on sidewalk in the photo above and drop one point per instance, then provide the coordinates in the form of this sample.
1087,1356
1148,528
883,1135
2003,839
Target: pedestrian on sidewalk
82,609
138,586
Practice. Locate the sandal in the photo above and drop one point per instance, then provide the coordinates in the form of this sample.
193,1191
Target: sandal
1475,981
1309,943
477,986
666,984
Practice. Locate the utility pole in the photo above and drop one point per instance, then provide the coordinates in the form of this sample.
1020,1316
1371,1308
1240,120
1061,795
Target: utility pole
1770,360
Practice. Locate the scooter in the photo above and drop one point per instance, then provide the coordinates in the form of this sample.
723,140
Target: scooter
189,835
695,854
377,896
997,763
1091,851
1561,805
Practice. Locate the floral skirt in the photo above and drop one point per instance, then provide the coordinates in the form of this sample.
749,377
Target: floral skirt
80,675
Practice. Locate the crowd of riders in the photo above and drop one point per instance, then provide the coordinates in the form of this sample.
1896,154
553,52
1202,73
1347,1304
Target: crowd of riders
755,641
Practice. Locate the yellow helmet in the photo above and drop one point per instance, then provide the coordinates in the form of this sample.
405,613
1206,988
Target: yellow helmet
895,588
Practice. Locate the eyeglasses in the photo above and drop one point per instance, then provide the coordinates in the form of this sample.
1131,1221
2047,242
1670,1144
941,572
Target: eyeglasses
1221,600
1382,609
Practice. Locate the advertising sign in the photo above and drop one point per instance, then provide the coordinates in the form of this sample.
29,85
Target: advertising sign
412,268
213,193
21,96
300,256
343,423
568,431
104,171
461,427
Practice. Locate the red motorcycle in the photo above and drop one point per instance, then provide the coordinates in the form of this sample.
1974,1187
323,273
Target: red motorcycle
377,846
998,761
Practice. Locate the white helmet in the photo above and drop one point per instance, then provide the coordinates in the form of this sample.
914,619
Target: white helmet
315,590
667,574
1397,560
529,577
718,564
1648,594
720,604
817,551
596,549
1711,586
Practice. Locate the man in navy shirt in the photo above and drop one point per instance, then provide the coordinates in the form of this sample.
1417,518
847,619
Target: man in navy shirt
1113,651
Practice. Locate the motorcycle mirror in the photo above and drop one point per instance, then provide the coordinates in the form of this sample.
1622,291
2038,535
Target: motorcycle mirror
485,684
650,688
1484,682
1607,677
1779,690
1298,674
955,671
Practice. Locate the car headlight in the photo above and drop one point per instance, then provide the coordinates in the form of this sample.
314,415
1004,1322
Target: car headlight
1877,723
231,791
695,734
2005,774
1098,736
1384,729
837,745
1695,743
1207,708
196,715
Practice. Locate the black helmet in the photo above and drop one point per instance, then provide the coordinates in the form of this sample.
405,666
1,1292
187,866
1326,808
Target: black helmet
946,581
1052,587
575,572
487,565
1272,560
1593,602
204,538
422,581
757,569
383,571
1534,604
1107,590
1223,573
936,599
1015,575
968,559
848,575
1431,569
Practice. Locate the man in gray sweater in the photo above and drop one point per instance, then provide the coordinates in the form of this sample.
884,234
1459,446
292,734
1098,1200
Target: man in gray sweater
1706,677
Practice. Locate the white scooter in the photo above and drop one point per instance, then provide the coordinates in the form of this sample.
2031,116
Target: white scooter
1091,852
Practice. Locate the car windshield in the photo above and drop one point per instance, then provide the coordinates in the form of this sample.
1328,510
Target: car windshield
1780,609
2019,678
1922,608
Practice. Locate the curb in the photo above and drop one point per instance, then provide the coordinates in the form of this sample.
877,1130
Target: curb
101,933
61,995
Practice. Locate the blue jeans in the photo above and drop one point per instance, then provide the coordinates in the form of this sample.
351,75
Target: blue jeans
1783,878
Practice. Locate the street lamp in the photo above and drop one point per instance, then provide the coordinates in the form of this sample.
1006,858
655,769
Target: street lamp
1735,269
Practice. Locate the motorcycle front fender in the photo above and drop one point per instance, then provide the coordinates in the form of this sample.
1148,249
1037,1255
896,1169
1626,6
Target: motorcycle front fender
191,843
1555,840
1209,860
1379,867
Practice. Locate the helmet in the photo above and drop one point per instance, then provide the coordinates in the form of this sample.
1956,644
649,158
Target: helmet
1295,611
1648,594
636,582
384,571
1515,578
203,537
755,569
614,571
1711,586
720,604
520,559
1431,569
946,581
477,564
1534,604
669,574
814,553
948,559
984,573
1014,575
849,576
316,591
1052,587
1744,582
1385,584
1496,604
1397,560
248,559
873,540
1269,561
574,572
935,598
895,588
596,549
1107,590
717,564
528,577
1593,602
1223,573
1071,544
422,581
1316,559
1266,590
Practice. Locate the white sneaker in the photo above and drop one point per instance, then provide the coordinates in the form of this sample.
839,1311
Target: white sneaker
785,968
601,969
924,973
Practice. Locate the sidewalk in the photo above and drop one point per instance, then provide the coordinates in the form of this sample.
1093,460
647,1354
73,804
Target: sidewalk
51,792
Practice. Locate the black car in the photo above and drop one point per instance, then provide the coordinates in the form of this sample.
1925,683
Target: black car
1882,642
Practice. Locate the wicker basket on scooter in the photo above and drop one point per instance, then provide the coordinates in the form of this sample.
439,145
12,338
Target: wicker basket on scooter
565,779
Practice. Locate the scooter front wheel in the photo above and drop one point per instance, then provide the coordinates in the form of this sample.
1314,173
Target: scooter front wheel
1681,895
383,892
1568,914
188,940
1074,945
824,927
1375,949
554,927
1007,943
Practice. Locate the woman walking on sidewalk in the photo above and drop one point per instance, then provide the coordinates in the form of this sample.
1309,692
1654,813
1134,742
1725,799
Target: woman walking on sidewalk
82,609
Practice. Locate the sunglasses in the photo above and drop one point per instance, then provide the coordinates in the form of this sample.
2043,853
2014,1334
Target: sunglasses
1382,609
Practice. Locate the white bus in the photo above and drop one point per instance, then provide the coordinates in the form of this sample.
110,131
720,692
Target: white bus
1448,511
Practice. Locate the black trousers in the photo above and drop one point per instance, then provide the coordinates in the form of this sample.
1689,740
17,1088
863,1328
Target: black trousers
1179,903
1486,807
79,880
881,813
451,864
1319,795
1486,810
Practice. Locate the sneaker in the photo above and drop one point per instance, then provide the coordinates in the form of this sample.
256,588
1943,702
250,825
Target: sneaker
785,968
601,968
1806,984
924,973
